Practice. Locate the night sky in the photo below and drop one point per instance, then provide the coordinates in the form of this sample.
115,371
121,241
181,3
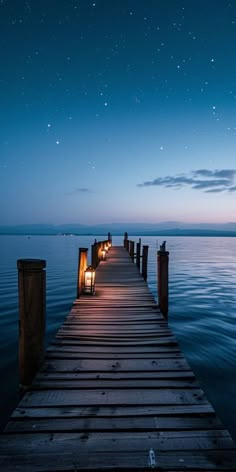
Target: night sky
117,111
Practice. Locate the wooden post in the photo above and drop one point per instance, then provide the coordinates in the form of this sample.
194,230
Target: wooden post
138,249
99,248
131,250
126,240
82,265
94,255
144,262
32,317
109,237
162,289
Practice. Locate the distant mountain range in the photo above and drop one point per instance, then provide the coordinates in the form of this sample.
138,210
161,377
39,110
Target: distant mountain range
169,228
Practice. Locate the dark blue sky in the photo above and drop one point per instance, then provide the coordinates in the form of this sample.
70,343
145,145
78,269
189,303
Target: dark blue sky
117,111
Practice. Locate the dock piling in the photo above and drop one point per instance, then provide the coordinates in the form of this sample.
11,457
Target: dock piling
131,250
82,264
94,255
126,243
144,262
138,250
163,277
32,317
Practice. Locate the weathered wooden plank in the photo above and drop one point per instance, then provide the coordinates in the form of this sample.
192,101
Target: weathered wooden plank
85,341
73,355
99,365
114,350
93,424
111,337
124,441
47,383
113,397
126,324
113,330
114,411
138,375
113,334
173,461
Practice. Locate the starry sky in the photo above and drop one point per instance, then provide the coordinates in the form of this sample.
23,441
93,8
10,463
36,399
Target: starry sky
117,111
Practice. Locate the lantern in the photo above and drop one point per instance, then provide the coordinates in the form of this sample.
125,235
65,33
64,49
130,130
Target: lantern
103,255
89,280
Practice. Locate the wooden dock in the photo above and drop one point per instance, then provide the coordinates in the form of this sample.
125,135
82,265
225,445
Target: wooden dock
115,391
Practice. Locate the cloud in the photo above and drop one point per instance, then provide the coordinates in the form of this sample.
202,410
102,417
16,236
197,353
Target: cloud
209,181
83,190
232,189
80,190
224,173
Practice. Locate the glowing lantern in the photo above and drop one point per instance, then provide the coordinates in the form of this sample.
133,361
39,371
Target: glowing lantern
89,280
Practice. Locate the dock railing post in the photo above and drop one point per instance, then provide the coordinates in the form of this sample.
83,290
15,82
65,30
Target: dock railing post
82,265
163,279
138,249
144,262
94,255
131,250
126,240
99,249
32,317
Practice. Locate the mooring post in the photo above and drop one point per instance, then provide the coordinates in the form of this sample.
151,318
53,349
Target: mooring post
144,262
109,237
138,249
32,317
126,240
163,277
94,255
99,248
131,249
82,265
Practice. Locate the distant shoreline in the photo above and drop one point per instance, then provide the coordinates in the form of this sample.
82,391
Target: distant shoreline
176,233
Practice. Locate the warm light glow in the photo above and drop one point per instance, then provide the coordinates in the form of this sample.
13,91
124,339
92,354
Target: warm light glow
103,255
89,280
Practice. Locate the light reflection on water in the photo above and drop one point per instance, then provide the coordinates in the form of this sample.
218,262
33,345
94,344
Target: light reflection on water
202,311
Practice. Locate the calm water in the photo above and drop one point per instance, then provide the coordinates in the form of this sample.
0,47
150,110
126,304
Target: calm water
202,310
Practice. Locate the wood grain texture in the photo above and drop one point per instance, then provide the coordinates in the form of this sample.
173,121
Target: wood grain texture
114,385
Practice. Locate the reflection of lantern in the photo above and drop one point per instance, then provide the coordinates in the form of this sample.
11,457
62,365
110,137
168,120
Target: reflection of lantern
103,255
89,280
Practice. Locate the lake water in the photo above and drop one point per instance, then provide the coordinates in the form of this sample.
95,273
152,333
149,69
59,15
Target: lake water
202,306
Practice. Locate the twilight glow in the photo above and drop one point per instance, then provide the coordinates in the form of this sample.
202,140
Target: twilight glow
117,111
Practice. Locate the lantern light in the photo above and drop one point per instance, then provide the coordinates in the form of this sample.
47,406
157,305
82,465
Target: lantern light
89,280
103,255
106,247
